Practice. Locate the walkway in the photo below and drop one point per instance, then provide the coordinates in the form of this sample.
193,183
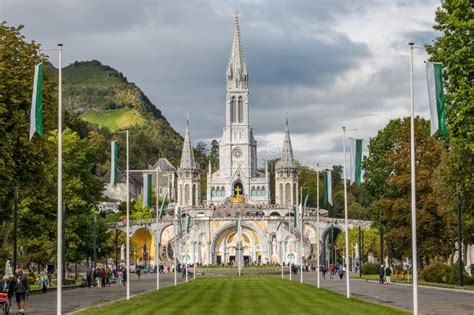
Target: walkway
430,300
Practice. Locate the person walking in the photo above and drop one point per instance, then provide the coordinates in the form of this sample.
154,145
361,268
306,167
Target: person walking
103,275
381,274
6,286
44,283
21,289
323,270
119,277
388,273
89,277
139,273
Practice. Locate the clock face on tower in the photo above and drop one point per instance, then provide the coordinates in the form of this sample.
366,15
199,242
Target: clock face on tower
237,153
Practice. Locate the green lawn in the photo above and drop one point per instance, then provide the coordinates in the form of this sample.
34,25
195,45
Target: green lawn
242,295
114,119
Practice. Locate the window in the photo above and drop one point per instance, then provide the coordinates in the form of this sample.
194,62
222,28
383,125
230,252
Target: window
258,191
263,192
213,192
241,109
253,193
222,191
232,109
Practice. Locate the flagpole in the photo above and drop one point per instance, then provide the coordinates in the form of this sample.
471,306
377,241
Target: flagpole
60,186
185,259
128,215
413,187
157,238
239,241
301,237
348,290
175,247
317,225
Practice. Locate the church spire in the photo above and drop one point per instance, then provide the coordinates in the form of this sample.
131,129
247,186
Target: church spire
187,157
237,69
287,160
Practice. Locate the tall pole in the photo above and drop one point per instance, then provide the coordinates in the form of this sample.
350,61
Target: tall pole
116,247
382,260
461,268
413,187
301,235
348,289
128,216
317,227
360,251
60,186
186,254
95,241
15,230
157,237
175,247
239,241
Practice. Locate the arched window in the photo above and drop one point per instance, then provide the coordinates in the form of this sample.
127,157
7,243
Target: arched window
186,194
213,192
263,192
194,199
281,195
233,109
218,191
258,191
288,194
252,191
241,109
222,191
295,196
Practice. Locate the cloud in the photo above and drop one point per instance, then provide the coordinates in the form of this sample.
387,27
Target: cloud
323,64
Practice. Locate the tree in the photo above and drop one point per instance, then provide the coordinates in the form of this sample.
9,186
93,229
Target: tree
214,154
21,161
454,48
387,174
370,238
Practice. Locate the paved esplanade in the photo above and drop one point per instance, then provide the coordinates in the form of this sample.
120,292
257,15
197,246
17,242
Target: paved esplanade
430,300
75,299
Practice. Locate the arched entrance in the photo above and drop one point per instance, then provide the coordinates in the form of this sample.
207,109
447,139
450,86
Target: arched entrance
142,247
166,246
226,251
329,253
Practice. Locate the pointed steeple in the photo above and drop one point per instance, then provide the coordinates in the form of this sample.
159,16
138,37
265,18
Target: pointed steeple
237,69
287,160
187,157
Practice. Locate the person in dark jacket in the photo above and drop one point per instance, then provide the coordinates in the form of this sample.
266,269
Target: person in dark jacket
21,288
388,273
381,274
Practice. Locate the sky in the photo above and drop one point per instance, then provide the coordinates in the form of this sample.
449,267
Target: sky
321,64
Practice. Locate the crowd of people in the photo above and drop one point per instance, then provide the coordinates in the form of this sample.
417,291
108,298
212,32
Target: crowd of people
100,277
18,287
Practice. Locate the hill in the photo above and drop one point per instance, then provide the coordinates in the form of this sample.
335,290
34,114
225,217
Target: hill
102,96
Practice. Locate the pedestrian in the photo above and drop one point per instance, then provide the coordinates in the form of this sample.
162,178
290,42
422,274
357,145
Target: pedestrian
323,270
125,276
119,277
340,272
98,277
89,277
388,273
381,274
21,289
139,273
103,274
44,283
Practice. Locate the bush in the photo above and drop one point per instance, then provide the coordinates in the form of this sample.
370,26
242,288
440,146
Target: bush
436,272
454,275
370,269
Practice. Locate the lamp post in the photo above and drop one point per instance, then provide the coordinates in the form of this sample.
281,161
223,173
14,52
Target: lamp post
301,233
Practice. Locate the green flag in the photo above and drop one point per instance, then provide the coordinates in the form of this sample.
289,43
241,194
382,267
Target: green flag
356,161
36,113
162,208
327,197
147,186
188,223
434,78
113,162
295,217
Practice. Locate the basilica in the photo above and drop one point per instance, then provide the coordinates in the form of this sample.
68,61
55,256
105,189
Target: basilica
236,190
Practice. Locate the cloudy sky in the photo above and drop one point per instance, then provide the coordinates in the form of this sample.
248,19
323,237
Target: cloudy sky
323,64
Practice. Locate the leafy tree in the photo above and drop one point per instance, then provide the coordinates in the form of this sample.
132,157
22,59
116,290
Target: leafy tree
214,154
21,161
454,48
371,241
387,173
